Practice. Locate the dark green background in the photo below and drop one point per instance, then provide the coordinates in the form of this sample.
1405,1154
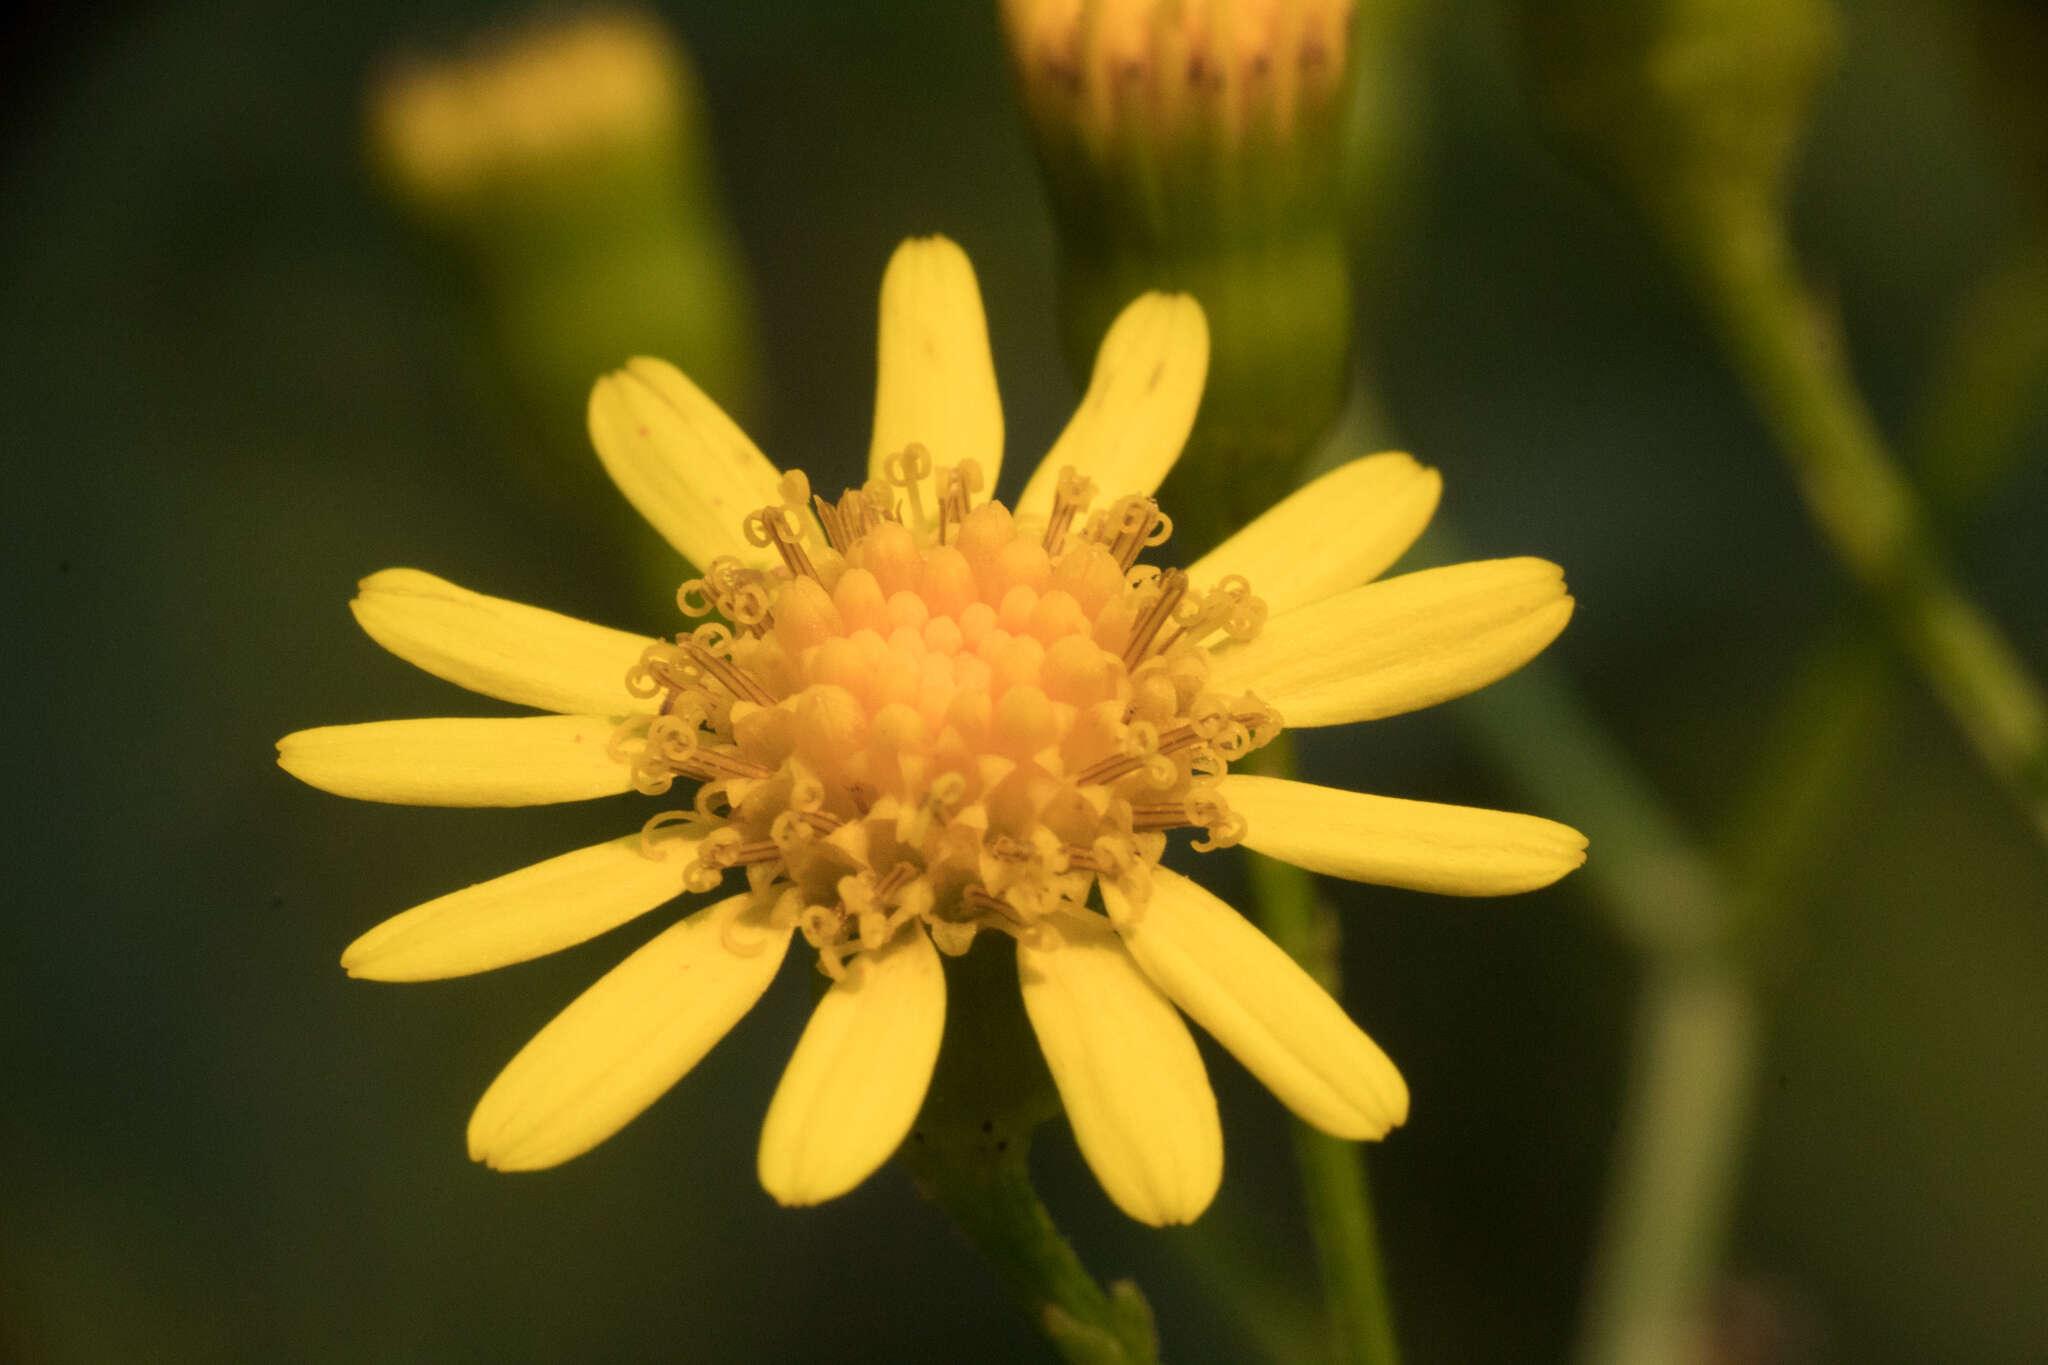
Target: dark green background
234,386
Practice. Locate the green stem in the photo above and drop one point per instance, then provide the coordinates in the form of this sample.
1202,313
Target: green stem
1333,1175
989,1195
968,1154
1690,1087
1874,520
1694,1051
1692,1080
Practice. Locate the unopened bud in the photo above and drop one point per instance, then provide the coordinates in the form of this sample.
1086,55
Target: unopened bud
1198,147
1691,107
561,164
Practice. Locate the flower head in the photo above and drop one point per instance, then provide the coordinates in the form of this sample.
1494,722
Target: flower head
921,716
530,99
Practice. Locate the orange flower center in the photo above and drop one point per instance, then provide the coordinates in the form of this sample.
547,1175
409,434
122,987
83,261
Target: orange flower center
956,719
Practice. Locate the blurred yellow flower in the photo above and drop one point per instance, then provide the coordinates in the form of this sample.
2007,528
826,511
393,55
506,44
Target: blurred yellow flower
927,715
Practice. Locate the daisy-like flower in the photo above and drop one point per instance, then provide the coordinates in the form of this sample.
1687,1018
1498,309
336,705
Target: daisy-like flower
919,715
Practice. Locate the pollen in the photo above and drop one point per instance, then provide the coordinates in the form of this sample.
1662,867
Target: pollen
931,711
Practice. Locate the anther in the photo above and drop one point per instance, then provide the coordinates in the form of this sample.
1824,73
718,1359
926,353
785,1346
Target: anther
907,469
1071,500
779,527
705,764
1150,815
896,879
737,680
663,830
737,853
1131,524
1173,586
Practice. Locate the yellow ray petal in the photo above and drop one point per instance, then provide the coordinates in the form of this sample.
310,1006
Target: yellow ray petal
1139,407
1253,998
858,1076
681,461
621,1044
1452,850
1127,1071
502,649
525,914
1346,527
935,381
521,761
1401,643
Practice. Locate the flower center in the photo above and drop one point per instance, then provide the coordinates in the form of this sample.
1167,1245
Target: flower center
940,713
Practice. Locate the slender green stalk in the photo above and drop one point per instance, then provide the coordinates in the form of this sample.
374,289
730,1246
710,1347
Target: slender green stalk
1690,1088
989,1195
1874,520
1692,1079
1333,1176
1694,1047
968,1154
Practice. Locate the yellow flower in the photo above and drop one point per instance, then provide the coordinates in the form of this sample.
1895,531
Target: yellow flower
927,716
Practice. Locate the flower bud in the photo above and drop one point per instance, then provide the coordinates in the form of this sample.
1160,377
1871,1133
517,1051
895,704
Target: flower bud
562,166
1691,107
1197,147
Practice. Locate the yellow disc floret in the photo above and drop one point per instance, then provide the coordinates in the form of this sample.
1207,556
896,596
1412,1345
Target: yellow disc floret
941,714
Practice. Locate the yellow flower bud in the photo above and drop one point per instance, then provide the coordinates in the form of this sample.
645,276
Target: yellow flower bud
1196,145
562,164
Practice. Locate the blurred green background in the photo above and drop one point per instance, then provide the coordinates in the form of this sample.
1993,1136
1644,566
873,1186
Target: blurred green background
236,384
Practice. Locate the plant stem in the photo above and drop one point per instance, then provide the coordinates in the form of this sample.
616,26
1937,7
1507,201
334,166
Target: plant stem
989,1196
1333,1175
1874,520
968,1155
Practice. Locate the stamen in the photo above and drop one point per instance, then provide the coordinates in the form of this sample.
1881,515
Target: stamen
778,526
705,764
828,518
960,483
1071,499
1151,815
898,877
1083,859
694,598
737,680
1173,586
707,801
1223,826
745,945
979,898
907,469
1131,524
735,852
662,830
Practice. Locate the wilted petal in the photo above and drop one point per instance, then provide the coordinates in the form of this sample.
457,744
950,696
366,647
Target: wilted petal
1400,644
521,761
1258,1002
502,649
1347,527
1128,1073
626,1040
858,1076
525,914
